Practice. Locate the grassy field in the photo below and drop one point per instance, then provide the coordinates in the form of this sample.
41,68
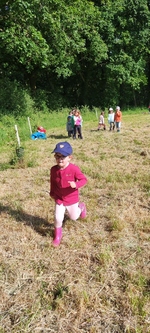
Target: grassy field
98,280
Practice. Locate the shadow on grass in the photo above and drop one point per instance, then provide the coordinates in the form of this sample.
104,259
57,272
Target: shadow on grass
39,224
96,130
53,136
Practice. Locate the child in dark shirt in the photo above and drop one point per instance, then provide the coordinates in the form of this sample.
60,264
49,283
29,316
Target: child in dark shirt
69,125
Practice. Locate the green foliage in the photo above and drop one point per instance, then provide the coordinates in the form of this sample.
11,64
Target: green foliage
29,48
48,100
14,99
75,51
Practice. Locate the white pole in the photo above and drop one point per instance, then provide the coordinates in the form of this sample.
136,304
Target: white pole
17,134
96,114
29,125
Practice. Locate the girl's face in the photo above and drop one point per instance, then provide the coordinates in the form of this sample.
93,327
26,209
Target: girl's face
62,161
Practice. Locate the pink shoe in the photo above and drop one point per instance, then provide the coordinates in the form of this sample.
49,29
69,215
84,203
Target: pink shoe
83,210
57,236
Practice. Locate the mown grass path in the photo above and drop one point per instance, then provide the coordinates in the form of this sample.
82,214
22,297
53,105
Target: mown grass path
98,280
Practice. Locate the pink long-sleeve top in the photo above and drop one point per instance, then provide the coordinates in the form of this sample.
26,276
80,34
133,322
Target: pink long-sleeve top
60,189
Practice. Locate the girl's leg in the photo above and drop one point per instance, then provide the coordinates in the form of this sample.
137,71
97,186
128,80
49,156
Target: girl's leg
59,215
79,132
74,211
118,126
74,132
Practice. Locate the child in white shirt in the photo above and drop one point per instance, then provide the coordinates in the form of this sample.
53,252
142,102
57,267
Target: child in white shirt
111,121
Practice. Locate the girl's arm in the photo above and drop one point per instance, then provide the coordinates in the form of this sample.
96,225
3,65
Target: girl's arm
52,185
80,178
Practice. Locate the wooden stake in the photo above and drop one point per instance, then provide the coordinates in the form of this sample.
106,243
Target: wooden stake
29,126
17,134
96,114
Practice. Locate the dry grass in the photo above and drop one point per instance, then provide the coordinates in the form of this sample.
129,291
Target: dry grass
98,280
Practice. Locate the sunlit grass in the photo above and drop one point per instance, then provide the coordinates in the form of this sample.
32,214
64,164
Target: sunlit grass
98,279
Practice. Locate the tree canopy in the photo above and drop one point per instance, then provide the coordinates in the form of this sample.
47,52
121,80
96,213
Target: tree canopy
88,52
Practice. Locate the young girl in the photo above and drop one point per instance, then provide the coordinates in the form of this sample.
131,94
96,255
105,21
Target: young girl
77,119
118,118
101,121
65,180
111,121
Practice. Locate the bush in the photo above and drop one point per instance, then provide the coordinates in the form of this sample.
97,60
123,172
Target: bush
14,99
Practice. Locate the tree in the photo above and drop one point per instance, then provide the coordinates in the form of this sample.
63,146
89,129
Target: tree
50,34
22,44
95,50
127,40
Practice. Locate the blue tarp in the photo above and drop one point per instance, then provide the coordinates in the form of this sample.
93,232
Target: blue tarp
38,135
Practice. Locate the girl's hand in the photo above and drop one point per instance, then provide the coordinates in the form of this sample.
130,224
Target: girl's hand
72,184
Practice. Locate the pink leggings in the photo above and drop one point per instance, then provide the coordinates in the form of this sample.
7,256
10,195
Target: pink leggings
74,212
